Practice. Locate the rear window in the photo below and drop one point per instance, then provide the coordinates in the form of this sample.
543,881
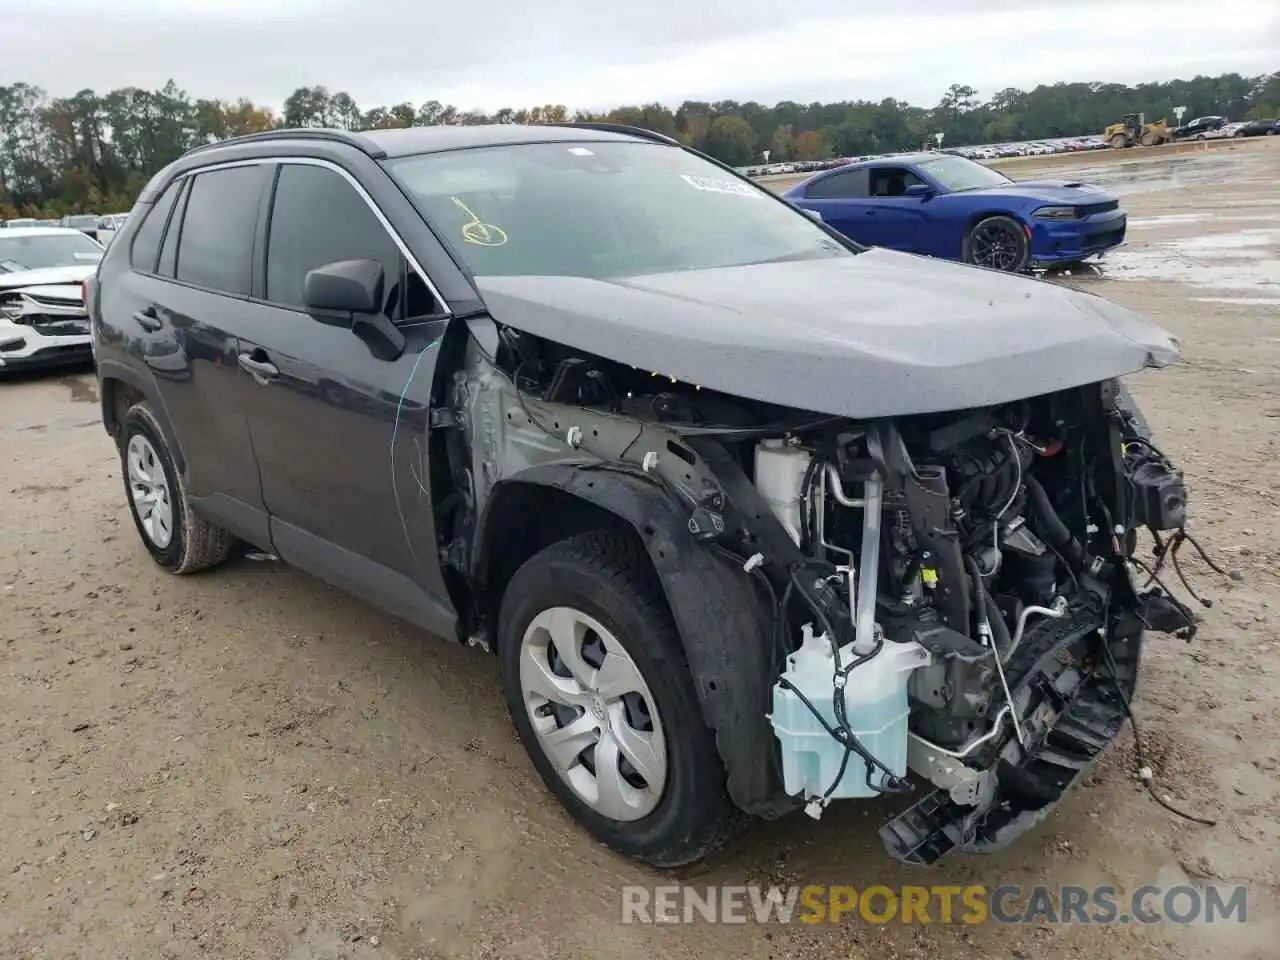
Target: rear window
602,210
146,242
214,249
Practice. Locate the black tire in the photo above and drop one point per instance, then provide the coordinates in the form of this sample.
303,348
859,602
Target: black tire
1016,249
195,544
604,576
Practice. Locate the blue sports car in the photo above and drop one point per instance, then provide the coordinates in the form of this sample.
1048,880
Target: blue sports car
948,206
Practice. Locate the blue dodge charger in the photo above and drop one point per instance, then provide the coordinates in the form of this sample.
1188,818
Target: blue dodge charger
948,206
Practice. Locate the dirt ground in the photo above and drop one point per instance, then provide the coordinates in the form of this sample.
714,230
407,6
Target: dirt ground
249,764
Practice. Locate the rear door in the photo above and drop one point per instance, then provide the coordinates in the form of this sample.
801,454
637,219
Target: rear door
187,290
841,200
341,435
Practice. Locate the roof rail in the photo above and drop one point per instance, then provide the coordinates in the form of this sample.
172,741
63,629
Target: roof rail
362,144
623,128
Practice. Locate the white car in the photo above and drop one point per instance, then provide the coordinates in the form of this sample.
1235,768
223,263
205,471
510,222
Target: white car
43,321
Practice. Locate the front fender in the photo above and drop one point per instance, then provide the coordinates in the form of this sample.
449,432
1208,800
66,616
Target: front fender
724,620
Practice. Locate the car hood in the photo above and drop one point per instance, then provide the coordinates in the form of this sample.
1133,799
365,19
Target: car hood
1050,191
877,334
49,275
70,292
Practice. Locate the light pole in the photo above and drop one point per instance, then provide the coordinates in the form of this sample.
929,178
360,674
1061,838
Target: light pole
938,136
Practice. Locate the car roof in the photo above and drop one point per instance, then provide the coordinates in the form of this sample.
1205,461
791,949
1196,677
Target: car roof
410,141
895,160
407,141
42,232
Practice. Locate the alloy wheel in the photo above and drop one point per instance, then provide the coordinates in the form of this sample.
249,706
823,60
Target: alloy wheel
995,245
150,491
593,713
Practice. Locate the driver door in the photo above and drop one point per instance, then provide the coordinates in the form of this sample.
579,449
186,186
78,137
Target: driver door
900,220
340,435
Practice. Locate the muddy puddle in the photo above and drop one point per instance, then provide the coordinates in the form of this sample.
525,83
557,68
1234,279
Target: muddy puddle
1147,176
1241,267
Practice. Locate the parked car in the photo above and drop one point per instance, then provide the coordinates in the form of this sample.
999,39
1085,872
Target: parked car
957,209
1259,128
86,223
109,225
754,518
1199,128
43,321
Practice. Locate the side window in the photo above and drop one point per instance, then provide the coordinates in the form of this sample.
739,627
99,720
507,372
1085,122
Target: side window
891,181
318,217
146,242
846,185
216,244
169,249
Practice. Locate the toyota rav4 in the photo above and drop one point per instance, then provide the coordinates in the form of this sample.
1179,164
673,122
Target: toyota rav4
755,519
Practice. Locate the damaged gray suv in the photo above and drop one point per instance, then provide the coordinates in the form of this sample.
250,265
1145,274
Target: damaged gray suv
755,520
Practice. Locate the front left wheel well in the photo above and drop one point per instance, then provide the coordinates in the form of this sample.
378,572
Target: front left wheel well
521,520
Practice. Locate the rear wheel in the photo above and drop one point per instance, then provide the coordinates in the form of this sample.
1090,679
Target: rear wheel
176,538
600,693
1119,141
999,243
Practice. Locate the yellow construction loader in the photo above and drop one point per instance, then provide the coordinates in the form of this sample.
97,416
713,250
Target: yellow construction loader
1134,130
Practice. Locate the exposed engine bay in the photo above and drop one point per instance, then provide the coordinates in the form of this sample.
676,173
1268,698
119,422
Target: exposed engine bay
949,595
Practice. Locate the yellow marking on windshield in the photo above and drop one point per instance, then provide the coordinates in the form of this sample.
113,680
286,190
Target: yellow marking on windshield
477,231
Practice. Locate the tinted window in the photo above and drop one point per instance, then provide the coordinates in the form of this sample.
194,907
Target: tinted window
215,248
169,251
146,242
892,181
847,183
317,218
603,210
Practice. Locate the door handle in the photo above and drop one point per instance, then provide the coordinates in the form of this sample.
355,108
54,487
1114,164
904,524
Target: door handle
263,371
148,320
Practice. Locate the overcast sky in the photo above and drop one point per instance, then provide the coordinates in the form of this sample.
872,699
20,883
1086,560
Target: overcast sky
601,53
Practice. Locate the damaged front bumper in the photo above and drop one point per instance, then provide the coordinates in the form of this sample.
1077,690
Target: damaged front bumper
43,327
1069,709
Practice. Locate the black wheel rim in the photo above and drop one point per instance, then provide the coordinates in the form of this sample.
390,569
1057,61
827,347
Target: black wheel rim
996,246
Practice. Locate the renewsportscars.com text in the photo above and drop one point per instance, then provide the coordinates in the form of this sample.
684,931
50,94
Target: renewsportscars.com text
938,904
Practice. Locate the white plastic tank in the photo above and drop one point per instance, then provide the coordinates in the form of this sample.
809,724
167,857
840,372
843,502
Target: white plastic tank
780,471
876,708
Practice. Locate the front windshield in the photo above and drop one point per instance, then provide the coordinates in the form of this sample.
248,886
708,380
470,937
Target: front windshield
39,251
956,174
602,210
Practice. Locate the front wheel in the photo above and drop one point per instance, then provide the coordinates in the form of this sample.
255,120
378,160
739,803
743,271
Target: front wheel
600,692
998,243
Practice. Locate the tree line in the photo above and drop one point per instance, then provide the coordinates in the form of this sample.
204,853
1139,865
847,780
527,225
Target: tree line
92,153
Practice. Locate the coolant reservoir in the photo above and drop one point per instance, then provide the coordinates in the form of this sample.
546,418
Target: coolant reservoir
780,471
876,708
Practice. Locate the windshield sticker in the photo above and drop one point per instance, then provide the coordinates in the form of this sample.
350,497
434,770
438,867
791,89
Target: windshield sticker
715,185
581,152
477,231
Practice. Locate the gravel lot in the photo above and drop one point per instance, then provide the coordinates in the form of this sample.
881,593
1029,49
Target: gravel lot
250,764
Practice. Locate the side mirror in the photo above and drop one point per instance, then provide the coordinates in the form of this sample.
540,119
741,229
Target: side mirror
339,292
813,213
349,293
921,190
